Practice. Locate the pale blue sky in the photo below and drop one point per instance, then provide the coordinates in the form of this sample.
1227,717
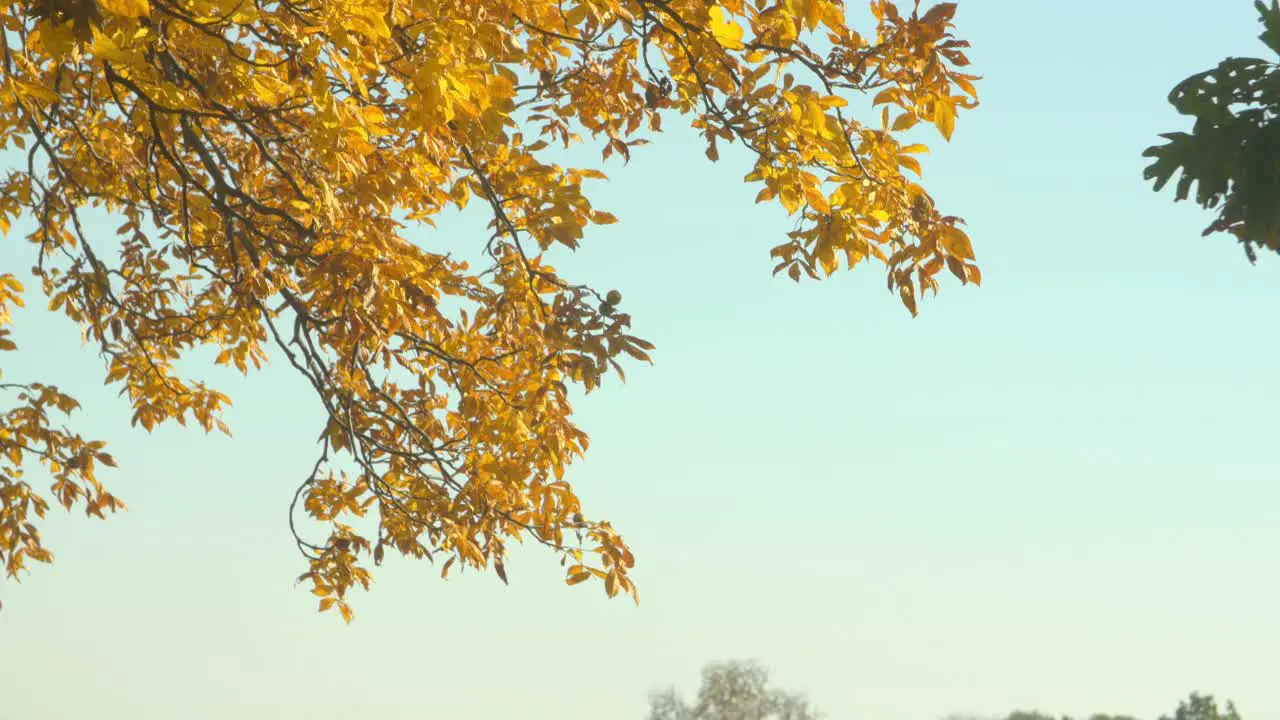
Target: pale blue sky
1056,491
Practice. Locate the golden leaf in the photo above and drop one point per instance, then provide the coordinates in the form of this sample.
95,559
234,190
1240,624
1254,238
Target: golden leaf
126,8
727,32
957,242
944,117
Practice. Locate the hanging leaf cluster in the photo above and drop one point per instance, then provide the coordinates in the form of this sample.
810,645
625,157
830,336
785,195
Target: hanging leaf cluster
1232,155
268,161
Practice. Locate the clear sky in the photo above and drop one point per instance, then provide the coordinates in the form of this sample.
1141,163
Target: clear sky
1058,491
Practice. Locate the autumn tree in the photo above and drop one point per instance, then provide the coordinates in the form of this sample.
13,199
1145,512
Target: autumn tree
267,159
1232,154
734,690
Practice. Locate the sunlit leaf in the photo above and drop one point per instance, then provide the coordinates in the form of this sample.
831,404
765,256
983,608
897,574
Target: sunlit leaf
727,32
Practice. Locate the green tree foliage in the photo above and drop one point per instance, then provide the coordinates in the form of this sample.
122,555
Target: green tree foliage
1197,707
733,690
1203,707
1232,154
1031,715
1037,715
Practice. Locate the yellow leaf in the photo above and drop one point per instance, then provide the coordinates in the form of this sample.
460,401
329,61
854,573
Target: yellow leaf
908,295
827,259
789,199
886,95
126,8
964,81
460,194
817,118
944,117
816,200
576,14
957,242
812,13
727,32
58,40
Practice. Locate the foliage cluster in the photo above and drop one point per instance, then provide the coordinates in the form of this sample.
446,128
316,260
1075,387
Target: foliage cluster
268,160
1232,155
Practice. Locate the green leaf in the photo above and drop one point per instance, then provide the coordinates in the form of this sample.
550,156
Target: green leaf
1270,19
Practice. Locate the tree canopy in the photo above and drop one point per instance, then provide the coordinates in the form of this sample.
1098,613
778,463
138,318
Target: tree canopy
268,161
1203,707
1232,154
1195,707
733,690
